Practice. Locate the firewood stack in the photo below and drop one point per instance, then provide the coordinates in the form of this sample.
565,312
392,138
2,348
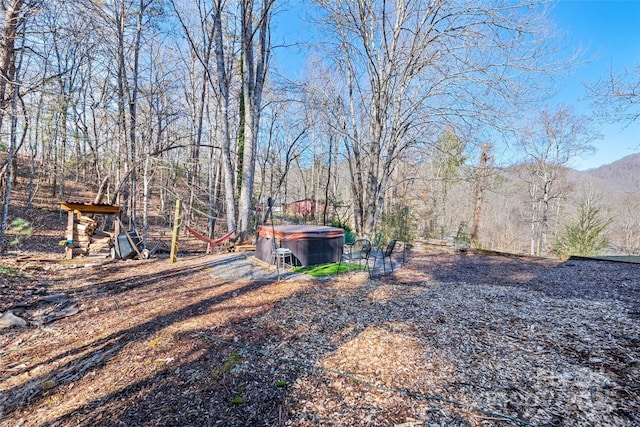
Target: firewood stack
82,236
88,239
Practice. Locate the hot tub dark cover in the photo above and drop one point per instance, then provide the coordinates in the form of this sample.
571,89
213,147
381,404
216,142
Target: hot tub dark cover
310,244
299,232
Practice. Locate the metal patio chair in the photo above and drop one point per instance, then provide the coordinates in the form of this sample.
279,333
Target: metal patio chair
382,255
357,252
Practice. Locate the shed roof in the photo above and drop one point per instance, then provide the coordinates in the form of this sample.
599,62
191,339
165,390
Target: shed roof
91,208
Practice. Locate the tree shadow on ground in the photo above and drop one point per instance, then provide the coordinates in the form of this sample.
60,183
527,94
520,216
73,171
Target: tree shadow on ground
76,364
270,361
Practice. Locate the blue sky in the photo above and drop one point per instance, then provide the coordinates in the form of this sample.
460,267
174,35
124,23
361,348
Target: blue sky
606,31
609,31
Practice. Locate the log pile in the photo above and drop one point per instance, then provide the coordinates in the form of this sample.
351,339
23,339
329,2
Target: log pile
83,236
88,240
434,246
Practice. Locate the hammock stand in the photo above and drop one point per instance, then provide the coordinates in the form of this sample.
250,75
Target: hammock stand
212,242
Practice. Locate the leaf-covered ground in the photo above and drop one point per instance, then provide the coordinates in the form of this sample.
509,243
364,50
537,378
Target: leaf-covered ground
218,340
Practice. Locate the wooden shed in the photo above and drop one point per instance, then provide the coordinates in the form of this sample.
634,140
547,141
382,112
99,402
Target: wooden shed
306,208
83,234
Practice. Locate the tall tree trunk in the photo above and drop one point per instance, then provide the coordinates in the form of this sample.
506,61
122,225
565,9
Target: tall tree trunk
328,182
255,58
213,190
13,148
544,217
146,179
123,141
9,172
194,171
64,119
12,20
223,86
533,225
133,112
480,184
246,138
354,156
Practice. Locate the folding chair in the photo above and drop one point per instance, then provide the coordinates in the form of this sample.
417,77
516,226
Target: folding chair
382,255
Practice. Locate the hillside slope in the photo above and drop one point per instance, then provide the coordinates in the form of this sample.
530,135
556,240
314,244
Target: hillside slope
618,178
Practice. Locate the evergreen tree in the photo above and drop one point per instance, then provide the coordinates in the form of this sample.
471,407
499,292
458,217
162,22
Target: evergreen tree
585,236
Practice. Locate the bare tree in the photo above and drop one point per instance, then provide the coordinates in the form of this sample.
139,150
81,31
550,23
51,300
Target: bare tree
254,42
447,158
282,146
66,49
413,68
482,173
9,94
627,224
124,24
550,143
199,31
13,16
256,50
616,98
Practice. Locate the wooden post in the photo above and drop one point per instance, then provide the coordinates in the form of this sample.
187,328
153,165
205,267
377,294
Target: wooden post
176,227
71,228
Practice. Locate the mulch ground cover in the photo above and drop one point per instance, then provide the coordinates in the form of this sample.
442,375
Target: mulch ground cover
448,339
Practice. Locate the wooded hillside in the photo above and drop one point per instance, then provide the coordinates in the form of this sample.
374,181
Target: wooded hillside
387,130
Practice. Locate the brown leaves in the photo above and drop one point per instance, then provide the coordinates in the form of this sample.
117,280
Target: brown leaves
448,339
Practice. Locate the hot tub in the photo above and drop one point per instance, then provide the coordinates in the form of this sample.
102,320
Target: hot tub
309,244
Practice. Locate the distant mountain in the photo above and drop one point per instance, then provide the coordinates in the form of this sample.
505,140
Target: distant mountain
617,178
628,166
